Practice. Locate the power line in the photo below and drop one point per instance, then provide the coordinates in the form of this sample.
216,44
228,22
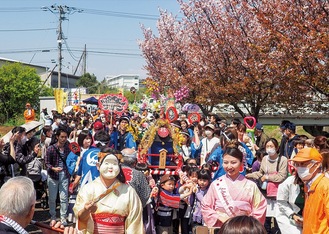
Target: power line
19,9
119,14
27,30
86,11
70,52
75,50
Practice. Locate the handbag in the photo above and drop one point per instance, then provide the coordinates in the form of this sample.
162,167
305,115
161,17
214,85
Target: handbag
272,188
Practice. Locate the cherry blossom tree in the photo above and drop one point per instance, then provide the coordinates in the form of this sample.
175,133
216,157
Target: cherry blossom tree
249,53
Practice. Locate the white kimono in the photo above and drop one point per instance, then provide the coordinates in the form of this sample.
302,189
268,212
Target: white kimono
120,211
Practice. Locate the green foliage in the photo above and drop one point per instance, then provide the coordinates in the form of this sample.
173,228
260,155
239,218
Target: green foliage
19,84
88,81
16,121
103,88
46,91
134,97
274,131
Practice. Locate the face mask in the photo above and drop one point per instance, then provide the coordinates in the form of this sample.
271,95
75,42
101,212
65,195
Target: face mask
304,172
109,168
24,140
72,125
271,151
58,121
208,132
201,123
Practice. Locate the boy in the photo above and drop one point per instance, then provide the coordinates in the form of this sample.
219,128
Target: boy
168,200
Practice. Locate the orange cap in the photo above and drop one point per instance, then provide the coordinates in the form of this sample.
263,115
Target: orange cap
307,154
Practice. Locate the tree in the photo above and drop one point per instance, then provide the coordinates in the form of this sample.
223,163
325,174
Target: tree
237,52
88,81
19,84
134,97
46,91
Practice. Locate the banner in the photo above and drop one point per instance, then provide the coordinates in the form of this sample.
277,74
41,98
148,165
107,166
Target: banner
194,117
113,103
171,114
60,97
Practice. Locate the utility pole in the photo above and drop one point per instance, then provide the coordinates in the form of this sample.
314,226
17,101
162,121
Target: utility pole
83,56
62,11
59,43
85,60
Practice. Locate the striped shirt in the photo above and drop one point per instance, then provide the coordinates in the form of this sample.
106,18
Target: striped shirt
11,223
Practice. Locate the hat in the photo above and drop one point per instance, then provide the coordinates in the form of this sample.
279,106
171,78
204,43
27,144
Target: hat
165,178
124,117
259,126
186,133
210,126
98,125
28,104
307,154
176,124
283,126
48,122
54,109
291,126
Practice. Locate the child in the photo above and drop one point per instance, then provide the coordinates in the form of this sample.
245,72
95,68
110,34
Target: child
309,143
259,156
185,208
168,199
204,180
298,145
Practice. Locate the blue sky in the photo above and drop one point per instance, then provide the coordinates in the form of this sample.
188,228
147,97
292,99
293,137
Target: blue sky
109,28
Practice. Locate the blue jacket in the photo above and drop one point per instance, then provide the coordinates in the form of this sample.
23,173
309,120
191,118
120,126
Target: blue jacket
217,156
129,141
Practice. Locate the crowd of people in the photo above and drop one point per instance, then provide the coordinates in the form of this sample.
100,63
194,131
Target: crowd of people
230,181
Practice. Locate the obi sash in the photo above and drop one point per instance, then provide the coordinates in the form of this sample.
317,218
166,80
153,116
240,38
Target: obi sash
108,223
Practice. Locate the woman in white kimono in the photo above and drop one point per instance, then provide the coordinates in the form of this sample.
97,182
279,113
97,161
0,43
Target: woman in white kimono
290,203
232,194
107,204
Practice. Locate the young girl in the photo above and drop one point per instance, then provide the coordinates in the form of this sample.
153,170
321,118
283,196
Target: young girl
204,179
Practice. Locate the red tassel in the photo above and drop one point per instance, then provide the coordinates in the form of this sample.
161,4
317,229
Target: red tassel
241,168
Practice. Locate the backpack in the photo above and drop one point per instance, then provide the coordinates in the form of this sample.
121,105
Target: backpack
33,169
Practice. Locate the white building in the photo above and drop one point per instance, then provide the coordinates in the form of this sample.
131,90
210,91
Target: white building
123,81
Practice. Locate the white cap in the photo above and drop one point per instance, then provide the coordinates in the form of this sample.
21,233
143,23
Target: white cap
48,122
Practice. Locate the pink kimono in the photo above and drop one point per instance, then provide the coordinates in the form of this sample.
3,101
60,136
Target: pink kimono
233,198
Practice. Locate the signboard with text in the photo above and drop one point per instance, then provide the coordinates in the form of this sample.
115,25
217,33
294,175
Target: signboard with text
113,103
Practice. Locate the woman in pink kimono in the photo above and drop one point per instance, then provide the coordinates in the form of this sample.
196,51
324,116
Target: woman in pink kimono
107,204
232,194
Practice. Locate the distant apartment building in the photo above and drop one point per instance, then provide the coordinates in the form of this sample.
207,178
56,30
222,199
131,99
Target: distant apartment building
123,81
